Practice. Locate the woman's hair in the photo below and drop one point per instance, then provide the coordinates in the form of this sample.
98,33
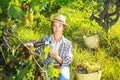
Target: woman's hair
52,27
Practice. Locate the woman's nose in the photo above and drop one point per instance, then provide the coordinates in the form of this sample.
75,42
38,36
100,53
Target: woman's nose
56,27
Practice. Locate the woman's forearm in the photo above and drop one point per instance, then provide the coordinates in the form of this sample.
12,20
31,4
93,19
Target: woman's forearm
59,59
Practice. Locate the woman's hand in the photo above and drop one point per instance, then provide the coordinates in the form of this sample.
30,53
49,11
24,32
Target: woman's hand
56,57
53,55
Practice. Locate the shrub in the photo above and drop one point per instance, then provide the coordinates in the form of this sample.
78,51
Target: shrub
27,34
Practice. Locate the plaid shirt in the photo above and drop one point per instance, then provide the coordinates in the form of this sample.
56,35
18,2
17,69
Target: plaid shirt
64,51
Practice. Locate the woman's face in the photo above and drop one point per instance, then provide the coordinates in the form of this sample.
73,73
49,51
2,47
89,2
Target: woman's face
57,28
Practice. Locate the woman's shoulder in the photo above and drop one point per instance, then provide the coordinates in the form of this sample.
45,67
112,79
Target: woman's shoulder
67,41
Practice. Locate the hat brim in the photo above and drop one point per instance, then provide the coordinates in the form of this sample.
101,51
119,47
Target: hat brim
65,24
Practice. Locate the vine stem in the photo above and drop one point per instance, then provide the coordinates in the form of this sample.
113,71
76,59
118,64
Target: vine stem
31,53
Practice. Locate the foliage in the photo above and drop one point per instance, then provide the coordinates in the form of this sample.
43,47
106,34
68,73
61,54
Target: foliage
52,71
27,36
42,25
3,6
109,65
111,71
31,21
108,15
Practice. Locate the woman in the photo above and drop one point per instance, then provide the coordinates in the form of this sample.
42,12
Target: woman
61,48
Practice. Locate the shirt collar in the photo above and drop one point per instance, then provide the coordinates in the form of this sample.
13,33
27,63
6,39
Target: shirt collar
51,38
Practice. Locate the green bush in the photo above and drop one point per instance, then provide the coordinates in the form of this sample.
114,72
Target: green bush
42,25
27,34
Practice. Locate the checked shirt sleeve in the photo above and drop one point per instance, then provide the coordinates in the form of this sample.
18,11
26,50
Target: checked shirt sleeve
66,52
40,48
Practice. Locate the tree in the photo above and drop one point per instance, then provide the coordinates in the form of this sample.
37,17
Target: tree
107,18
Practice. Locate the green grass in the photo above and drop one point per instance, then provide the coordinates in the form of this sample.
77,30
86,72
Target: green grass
109,65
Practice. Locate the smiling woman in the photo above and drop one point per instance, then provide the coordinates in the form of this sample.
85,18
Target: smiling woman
61,48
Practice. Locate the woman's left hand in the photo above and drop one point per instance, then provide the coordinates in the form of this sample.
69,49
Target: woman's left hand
53,55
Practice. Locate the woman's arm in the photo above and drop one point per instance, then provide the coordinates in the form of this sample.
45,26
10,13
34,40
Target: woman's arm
67,55
56,57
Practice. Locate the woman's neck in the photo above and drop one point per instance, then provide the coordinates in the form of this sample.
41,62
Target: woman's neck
57,37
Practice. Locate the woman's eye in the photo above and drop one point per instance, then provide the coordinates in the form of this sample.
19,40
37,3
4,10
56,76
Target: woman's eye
59,26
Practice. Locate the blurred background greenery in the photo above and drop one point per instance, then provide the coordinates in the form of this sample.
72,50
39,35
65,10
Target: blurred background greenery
31,20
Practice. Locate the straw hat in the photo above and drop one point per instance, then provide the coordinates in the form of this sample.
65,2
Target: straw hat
61,19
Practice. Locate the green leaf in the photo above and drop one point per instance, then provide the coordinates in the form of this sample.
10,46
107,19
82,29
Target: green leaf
44,5
0,10
15,12
4,4
50,70
24,71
